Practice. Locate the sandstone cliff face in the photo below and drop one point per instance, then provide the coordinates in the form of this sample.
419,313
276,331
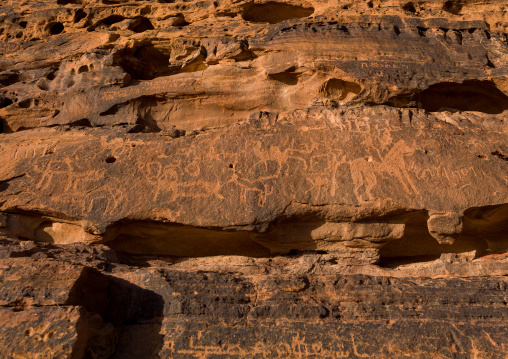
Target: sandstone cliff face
200,179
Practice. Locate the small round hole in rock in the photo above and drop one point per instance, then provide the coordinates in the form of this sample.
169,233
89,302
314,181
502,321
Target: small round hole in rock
410,7
56,28
110,159
79,15
25,103
4,102
51,76
231,165
82,69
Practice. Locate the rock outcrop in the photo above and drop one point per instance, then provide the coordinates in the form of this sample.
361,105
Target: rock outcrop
78,301
199,179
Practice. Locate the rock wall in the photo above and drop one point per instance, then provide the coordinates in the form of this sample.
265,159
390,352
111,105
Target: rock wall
249,179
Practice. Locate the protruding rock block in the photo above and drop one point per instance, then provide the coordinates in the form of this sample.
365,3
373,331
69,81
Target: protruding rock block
445,227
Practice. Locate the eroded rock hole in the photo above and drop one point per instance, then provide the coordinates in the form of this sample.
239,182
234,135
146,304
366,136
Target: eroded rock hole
410,7
141,24
453,7
144,63
4,102
500,155
25,103
110,159
51,76
79,15
8,78
340,89
113,110
84,122
113,19
273,12
458,36
4,128
82,69
471,95
56,28
288,77
179,21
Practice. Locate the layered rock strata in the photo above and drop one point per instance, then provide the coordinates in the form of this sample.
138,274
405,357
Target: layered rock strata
78,301
189,179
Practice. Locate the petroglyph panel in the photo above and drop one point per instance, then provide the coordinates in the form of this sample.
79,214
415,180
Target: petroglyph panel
251,175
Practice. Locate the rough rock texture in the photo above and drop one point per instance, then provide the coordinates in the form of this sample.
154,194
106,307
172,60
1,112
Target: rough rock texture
98,305
204,179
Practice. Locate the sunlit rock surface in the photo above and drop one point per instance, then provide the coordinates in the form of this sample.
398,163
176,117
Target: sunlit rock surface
251,179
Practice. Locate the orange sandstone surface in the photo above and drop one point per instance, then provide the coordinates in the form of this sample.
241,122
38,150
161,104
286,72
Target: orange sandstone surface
253,179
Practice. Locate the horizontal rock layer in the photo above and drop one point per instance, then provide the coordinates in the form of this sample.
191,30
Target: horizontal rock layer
315,179
102,306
